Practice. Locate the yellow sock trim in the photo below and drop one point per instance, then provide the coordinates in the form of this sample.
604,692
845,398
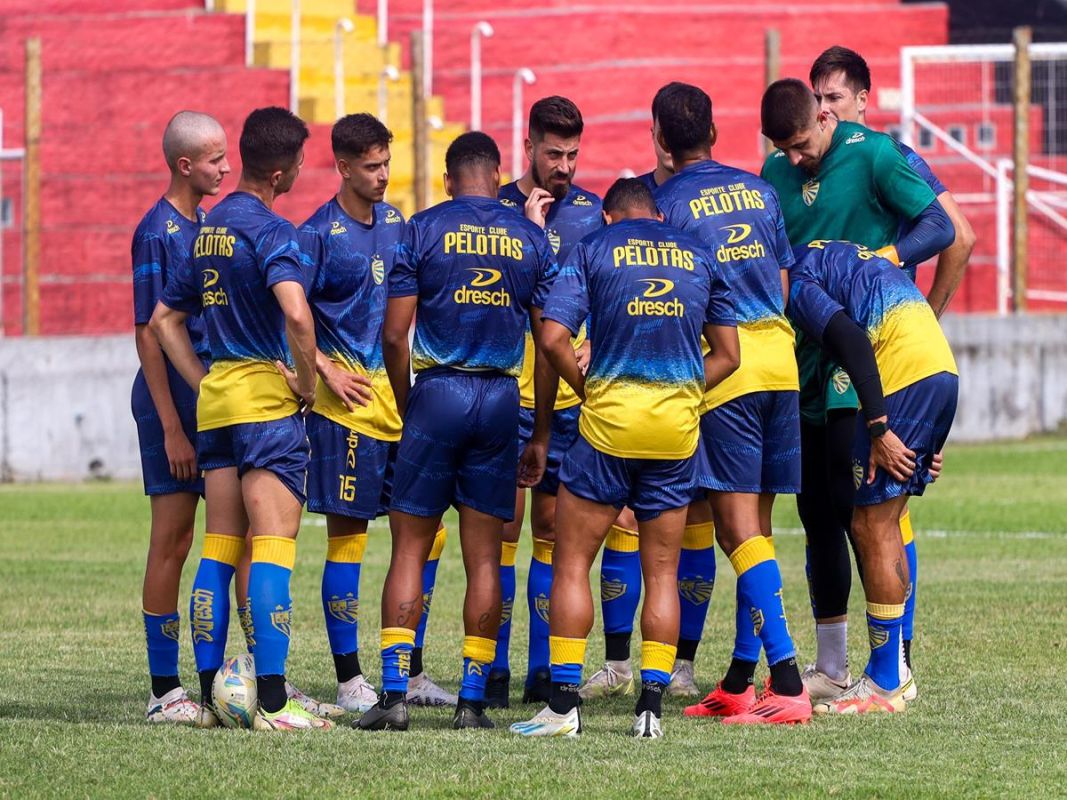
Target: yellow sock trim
280,550
657,655
770,541
438,543
346,549
751,553
507,553
479,649
699,536
907,534
622,540
566,651
224,549
885,610
392,636
542,551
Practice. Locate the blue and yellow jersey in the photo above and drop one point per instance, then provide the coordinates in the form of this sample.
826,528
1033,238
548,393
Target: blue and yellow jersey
739,220
242,250
163,243
476,268
648,289
840,276
348,265
568,221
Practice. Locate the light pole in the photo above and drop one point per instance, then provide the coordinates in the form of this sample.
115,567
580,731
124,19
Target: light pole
342,27
526,76
483,28
383,23
427,48
388,73
294,59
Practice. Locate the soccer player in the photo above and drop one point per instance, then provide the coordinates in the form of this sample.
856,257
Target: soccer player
650,292
750,424
246,279
164,407
547,194
838,180
471,272
842,83
664,166
874,322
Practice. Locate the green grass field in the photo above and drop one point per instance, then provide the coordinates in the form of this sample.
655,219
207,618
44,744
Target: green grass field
990,655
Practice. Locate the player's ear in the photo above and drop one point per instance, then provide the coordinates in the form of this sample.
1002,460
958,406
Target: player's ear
606,216
496,176
662,140
275,178
344,168
528,146
448,185
659,215
714,134
862,96
185,166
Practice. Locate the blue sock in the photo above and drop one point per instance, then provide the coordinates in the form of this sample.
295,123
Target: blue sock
268,595
760,583
696,579
538,591
396,659
620,581
340,591
501,659
477,655
908,537
209,603
161,633
429,580
887,649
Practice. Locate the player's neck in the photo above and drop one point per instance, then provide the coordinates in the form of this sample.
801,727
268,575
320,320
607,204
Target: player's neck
264,191
356,207
662,174
184,198
526,183
690,158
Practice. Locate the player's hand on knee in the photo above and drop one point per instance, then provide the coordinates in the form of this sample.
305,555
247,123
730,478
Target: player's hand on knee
181,455
352,389
532,464
889,453
536,208
936,464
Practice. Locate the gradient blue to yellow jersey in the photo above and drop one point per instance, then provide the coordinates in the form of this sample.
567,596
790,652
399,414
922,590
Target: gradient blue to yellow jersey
567,222
348,265
476,268
649,289
737,217
841,276
242,250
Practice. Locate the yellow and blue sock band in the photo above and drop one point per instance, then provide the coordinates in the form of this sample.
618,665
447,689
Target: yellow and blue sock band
657,661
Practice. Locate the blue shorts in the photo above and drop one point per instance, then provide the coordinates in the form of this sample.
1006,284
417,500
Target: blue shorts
562,438
920,415
155,468
459,445
279,446
346,471
752,444
648,486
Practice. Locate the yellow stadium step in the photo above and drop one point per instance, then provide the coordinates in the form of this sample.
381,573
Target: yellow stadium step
321,8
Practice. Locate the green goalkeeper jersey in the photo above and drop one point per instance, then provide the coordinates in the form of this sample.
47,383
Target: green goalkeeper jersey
863,191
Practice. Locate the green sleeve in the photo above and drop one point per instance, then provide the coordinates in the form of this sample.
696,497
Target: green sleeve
899,187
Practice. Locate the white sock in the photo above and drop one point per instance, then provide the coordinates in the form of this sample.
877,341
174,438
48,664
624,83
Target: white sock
831,649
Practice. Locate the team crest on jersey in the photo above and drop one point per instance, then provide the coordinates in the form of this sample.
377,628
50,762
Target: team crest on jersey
171,629
696,590
509,202
201,214
173,227
840,381
877,636
337,227
377,269
611,590
757,620
581,200
553,240
282,620
345,609
809,191
541,607
855,138
857,474
392,217
505,611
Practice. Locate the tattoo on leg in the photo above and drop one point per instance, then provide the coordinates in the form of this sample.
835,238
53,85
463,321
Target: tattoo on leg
483,622
899,567
407,608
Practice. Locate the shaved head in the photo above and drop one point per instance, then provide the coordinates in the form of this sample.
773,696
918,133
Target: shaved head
188,134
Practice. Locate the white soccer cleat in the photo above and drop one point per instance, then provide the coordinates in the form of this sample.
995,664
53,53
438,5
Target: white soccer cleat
863,697
290,717
206,717
821,686
549,723
614,679
311,705
174,707
911,691
647,726
683,682
424,692
356,695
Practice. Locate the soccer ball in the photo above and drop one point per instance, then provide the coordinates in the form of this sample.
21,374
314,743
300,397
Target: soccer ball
234,691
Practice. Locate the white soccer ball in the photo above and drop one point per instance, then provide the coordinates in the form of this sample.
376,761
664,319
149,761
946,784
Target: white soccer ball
234,691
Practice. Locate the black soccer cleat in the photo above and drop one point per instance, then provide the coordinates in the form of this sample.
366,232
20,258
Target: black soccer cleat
468,716
498,689
379,718
538,686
